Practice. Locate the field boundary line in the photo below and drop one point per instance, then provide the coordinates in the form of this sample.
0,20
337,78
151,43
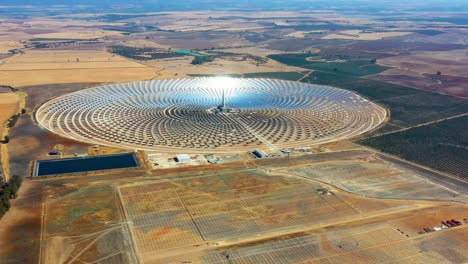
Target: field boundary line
419,125
423,167
305,76
42,232
127,226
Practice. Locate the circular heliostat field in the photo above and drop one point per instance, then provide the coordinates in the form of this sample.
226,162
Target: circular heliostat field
210,114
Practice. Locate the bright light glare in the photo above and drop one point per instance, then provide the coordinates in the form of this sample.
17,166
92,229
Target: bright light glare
225,83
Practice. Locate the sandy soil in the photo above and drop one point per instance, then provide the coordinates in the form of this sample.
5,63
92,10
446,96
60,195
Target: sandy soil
360,35
142,43
285,207
419,70
182,66
41,27
454,37
8,105
22,224
47,67
5,46
52,23
453,62
259,51
85,34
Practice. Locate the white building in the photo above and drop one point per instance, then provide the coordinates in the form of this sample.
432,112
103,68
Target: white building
181,158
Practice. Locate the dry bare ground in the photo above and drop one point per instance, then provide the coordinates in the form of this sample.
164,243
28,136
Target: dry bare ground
420,70
10,104
182,66
360,35
22,225
5,46
83,34
454,62
70,66
252,214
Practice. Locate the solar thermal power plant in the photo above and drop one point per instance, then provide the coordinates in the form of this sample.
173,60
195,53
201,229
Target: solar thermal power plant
210,114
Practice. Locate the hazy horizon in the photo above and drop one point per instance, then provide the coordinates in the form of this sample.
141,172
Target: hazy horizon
158,5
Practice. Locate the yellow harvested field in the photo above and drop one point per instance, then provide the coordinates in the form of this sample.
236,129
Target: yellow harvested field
8,106
72,64
88,34
141,43
182,66
14,36
64,23
34,77
360,35
5,46
46,67
63,56
188,26
453,62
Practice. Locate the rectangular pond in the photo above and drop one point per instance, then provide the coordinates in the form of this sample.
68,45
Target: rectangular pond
85,164
189,52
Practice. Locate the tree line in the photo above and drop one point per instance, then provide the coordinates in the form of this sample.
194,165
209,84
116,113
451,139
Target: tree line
9,191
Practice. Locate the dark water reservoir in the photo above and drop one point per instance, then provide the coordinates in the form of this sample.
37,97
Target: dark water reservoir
84,164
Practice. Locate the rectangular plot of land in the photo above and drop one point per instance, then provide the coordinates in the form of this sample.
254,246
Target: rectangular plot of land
375,243
376,179
186,212
84,226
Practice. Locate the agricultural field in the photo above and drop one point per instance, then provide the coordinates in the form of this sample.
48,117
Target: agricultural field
408,108
442,71
452,62
442,145
292,76
254,214
89,34
342,67
8,105
69,66
98,233
219,66
364,35
377,179
7,46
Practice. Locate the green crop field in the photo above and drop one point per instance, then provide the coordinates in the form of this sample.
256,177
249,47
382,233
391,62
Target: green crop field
442,146
408,106
291,76
360,67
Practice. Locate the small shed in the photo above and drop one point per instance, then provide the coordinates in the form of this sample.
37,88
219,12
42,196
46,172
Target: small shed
181,158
